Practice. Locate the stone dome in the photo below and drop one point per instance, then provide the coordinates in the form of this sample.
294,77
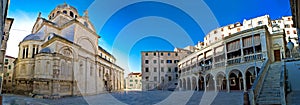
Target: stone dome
46,50
33,37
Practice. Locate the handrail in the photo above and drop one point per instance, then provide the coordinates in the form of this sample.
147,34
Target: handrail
282,84
257,85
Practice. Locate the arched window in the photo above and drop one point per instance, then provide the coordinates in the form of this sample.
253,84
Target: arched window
65,12
57,12
71,14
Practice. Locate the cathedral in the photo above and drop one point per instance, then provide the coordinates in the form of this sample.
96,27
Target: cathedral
61,57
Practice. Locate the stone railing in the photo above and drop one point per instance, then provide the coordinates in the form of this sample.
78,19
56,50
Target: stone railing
251,57
232,61
258,83
219,64
282,84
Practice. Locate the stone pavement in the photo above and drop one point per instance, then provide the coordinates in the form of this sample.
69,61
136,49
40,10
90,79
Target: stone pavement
135,98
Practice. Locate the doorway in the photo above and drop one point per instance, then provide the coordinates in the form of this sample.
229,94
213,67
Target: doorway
277,55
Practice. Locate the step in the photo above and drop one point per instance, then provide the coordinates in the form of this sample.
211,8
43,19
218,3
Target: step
267,102
268,98
262,95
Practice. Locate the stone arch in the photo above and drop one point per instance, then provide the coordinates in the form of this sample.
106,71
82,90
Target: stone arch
194,83
188,83
64,51
210,83
201,82
235,79
180,83
184,84
221,81
250,76
92,46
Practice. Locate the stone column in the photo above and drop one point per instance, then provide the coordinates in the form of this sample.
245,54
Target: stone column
228,84
242,52
197,82
215,81
225,52
244,83
205,83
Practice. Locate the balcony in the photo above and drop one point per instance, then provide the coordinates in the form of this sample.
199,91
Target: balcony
252,57
220,64
233,61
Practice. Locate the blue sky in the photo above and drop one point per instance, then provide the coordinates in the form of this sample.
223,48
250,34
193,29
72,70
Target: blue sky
129,27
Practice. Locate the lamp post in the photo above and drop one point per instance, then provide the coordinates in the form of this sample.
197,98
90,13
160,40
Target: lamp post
290,46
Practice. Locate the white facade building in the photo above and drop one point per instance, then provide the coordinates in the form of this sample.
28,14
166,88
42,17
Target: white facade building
133,81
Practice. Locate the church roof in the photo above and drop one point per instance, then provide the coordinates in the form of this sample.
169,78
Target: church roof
37,36
46,50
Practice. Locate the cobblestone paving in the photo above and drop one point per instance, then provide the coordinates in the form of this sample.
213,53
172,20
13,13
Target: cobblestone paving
134,98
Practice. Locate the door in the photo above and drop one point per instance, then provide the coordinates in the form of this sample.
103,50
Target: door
277,55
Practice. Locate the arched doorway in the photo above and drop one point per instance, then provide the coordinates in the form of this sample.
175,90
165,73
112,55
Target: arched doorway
201,83
210,84
221,81
235,80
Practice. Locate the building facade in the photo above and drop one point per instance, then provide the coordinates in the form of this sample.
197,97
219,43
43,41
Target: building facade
233,55
133,81
62,58
159,68
8,71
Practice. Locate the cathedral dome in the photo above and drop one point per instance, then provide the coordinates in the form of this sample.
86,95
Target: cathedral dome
64,9
46,50
32,37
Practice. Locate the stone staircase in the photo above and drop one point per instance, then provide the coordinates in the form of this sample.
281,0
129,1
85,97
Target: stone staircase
270,92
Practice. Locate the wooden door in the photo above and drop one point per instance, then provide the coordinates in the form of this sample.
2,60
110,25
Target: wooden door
277,55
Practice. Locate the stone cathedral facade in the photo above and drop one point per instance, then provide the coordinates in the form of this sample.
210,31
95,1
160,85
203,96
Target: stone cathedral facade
61,57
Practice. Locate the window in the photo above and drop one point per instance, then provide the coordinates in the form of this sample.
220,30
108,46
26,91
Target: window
154,61
131,80
169,61
130,84
176,61
222,29
162,69
155,78
259,22
57,12
289,19
161,61
65,12
169,54
146,54
146,69
286,26
9,66
287,32
295,32
169,69
154,54
170,78
155,69
146,61
71,14
216,38
176,54
6,61
279,21
86,24
162,54
215,31
176,69
147,78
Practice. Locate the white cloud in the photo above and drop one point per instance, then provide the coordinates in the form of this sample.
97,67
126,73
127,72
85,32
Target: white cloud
21,27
